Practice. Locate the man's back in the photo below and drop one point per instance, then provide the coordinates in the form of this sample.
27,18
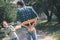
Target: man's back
25,13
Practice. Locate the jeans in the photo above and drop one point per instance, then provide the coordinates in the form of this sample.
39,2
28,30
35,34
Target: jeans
31,35
14,39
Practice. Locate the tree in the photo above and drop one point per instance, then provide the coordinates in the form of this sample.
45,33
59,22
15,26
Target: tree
57,5
7,11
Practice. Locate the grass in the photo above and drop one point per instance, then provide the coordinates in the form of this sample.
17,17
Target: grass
56,34
52,28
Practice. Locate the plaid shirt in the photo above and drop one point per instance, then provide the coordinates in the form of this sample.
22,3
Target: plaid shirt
25,13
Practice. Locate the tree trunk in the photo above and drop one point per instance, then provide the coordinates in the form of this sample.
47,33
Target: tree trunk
49,17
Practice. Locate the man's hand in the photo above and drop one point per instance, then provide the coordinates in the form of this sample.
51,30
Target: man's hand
12,29
18,26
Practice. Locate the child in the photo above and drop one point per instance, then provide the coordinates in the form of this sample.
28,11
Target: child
9,31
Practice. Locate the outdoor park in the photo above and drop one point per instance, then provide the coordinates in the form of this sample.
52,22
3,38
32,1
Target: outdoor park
48,24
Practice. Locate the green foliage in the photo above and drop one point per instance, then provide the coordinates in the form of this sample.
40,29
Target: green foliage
7,12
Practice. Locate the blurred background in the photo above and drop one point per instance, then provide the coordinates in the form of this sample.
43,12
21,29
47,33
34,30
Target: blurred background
47,10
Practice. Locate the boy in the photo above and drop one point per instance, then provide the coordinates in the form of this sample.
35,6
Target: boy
9,31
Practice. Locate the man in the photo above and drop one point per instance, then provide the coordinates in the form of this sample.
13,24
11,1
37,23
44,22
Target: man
27,17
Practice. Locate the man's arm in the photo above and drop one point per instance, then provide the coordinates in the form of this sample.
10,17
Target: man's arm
37,17
35,13
12,29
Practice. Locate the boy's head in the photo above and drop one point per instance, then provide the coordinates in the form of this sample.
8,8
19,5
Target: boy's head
20,4
4,24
